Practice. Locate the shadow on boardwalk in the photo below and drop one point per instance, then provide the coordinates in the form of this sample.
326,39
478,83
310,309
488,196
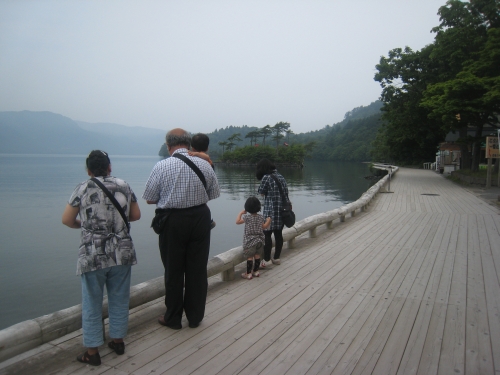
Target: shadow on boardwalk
409,287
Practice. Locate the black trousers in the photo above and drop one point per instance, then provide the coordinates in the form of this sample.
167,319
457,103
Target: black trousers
268,243
184,247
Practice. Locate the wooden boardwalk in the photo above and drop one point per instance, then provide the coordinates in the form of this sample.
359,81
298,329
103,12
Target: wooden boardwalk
409,287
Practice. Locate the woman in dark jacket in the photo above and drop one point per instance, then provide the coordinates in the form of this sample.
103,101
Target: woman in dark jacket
272,208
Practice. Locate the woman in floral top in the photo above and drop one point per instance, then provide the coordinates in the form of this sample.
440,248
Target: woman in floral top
106,253
272,208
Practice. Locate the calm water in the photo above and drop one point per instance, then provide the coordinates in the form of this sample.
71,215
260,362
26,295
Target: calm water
37,270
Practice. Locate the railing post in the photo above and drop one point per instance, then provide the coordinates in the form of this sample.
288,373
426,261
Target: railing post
228,275
291,243
312,232
329,225
353,213
342,218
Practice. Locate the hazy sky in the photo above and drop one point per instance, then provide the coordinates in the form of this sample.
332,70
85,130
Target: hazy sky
202,65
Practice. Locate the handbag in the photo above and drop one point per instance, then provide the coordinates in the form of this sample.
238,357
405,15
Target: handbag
113,200
287,215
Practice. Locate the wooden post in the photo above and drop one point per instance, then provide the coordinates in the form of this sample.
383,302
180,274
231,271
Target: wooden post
228,275
488,174
342,218
291,243
312,232
329,225
353,213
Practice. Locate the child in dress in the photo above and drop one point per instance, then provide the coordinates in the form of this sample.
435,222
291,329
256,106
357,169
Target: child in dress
253,238
199,148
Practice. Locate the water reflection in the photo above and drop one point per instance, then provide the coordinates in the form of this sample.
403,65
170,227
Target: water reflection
336,182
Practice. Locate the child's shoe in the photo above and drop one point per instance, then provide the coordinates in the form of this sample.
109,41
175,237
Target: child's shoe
255,273
264,263
247,276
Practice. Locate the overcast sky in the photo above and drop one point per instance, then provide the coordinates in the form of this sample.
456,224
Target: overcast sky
202,65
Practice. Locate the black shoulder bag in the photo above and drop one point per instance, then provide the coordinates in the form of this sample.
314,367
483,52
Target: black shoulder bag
113,200
287,215
160,219
193,167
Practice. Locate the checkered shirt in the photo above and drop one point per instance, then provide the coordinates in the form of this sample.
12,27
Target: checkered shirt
272,200
173,184
253,230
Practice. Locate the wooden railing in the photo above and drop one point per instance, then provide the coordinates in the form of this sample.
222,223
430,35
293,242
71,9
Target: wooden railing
29,334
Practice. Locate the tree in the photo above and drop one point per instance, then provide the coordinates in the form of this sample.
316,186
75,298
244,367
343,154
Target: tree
231,141
472,98
223,144
253,135
421,89
264,133
278,129
407,132
288,132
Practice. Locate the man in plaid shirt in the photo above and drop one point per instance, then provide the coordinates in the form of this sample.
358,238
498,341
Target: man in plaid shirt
184,242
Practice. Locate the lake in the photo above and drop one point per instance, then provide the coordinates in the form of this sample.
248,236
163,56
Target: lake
38,267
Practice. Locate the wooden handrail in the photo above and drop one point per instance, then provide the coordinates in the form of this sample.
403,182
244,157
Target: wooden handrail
29,334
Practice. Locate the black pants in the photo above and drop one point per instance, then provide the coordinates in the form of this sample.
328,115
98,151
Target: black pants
184,247
268,243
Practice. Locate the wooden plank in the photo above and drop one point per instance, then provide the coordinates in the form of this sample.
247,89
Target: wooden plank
488,233
354,343
429,362
453,345
277,288
414,347
478,355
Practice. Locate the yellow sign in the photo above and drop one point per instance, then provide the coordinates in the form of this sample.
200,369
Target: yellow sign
492,148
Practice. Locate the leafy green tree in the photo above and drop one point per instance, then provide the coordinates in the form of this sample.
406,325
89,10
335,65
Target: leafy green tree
472,98
235,138
288,132
420,89
253,135
223,144
407,132
164,151
265,132
278,130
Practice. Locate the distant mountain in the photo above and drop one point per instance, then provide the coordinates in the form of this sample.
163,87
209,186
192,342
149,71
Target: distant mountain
28,132
51,133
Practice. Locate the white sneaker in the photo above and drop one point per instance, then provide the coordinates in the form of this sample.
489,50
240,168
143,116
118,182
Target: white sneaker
264,264
247,276
256,274
276,261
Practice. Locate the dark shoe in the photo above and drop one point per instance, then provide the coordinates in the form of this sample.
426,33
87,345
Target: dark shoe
93,360
118,347
161,320
194,325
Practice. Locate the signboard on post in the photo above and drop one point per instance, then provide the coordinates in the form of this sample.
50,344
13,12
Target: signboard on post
492,148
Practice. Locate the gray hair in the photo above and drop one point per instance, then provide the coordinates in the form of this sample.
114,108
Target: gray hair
178,139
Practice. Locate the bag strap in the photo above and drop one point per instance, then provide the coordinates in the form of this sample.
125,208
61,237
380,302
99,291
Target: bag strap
193,167
284,198
113,200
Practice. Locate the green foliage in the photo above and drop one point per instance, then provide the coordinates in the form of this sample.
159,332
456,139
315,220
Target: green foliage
294,154
350,142
449,85
349,139
163,151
